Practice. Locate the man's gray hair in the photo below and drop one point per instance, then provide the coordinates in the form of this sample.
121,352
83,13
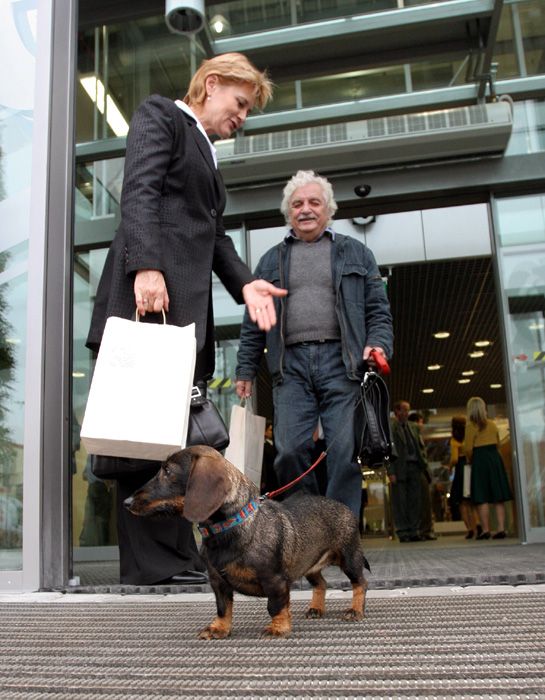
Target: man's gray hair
308,177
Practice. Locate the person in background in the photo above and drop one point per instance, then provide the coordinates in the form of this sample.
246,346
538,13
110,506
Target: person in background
337,311
405,474
457,464
170,240
489,483
426,518
268,476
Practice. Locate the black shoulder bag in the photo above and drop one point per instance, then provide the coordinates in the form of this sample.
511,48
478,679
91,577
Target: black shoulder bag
373,435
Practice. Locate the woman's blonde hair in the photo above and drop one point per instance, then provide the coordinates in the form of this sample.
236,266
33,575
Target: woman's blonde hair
308,177
476,412
230,68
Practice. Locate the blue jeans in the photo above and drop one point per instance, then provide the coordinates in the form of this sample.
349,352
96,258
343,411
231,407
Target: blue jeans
316,386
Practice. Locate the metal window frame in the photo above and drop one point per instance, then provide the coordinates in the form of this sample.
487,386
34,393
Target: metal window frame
47,429
528,533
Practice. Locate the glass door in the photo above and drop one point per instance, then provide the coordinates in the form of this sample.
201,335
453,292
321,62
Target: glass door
520,229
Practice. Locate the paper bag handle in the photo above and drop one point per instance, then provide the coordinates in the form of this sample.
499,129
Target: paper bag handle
137,319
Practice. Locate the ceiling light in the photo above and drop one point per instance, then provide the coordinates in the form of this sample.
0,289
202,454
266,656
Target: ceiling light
464,381
13,341
441,334
428,391
94,87
495,386
78,375
432,368
536,326
483,343
476,353
468,373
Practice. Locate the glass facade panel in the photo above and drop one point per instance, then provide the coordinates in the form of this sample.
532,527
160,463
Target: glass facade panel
532,22
528,135
247,16
93,504
356,85
120,65
521,234
16,127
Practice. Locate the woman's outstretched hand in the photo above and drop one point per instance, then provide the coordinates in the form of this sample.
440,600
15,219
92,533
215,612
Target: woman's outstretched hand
258,297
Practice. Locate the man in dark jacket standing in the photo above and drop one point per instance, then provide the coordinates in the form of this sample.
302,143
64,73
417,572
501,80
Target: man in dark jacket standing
406,476
335,313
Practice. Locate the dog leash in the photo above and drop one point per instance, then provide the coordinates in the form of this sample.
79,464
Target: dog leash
383,368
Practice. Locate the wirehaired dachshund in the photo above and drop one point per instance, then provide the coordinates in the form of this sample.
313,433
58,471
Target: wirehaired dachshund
252,547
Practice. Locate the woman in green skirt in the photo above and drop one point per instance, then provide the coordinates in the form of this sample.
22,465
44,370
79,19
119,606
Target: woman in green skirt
489,483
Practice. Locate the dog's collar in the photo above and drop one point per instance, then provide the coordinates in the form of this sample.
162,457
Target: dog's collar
243,514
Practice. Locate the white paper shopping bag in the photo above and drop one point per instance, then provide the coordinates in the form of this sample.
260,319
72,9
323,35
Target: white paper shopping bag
138,404
246,440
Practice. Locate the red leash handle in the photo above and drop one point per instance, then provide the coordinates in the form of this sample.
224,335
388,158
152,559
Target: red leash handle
380,361
272,494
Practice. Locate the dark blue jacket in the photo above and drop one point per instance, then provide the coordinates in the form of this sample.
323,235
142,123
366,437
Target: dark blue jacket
361,304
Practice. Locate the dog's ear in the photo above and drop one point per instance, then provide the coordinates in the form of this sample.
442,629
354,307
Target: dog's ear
206,489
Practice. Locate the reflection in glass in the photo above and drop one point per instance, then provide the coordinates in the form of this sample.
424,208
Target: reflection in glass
11,417
522,259
93,511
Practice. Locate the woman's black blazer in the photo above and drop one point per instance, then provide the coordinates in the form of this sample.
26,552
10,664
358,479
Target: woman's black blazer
172,203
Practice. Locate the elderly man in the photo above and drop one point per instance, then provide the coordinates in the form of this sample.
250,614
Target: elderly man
335,313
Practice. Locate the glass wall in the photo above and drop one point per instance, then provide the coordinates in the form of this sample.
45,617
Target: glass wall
521,242
120,64
16,126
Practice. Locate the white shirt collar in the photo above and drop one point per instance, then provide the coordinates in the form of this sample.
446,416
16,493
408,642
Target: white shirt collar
185,108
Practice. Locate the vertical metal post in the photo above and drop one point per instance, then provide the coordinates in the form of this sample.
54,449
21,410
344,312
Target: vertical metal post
57,339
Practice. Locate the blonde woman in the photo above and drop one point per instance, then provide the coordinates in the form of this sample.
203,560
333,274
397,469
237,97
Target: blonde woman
170,240
489,483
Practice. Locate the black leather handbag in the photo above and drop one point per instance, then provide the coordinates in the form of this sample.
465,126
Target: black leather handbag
373,434
206,426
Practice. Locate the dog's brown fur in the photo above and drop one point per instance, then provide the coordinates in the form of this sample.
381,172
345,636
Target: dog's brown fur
267,552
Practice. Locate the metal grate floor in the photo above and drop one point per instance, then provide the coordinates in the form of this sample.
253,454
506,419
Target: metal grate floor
392,566
464,645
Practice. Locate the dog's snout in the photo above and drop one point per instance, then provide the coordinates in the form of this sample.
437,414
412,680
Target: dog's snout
128,502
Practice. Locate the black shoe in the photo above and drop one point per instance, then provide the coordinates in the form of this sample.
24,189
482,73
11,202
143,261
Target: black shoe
479,530
501,535
185,578
416,538
404,539
469,535
483,536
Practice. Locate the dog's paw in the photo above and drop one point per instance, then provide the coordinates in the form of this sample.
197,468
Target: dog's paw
214,632
273,630
314,613
352,615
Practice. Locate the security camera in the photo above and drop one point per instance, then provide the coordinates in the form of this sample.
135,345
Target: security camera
362,190
184,16
364,220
